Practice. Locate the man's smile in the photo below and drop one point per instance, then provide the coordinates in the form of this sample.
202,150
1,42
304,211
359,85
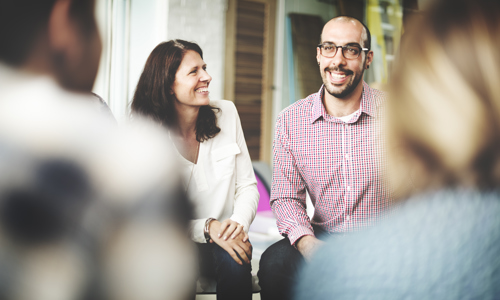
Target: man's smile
336,75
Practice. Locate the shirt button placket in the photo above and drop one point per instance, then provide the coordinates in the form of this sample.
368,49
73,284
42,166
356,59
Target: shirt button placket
347,160
348,169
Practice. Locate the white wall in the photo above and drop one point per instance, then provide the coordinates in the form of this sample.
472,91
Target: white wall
148,28
202,22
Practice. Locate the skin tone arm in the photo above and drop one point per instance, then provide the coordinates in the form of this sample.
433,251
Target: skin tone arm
240,251
308,245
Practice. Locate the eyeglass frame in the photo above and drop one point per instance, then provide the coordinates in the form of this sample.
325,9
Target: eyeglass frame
320,46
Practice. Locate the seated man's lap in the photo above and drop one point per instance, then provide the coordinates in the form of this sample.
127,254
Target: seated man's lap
278,270
279,267
280,255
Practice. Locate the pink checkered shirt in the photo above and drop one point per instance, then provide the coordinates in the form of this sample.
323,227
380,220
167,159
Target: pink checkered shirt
339,164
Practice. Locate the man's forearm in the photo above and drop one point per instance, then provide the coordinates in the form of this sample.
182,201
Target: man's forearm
308,245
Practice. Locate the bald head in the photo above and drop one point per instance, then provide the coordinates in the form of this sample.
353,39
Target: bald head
365,34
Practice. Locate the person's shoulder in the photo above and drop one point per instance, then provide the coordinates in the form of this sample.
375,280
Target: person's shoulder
225,110
430,221
432,232
374,94
223,104
300,108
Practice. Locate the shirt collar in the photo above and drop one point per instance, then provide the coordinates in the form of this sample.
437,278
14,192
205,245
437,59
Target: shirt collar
367,104
318,109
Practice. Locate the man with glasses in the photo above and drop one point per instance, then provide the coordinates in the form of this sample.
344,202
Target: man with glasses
328,145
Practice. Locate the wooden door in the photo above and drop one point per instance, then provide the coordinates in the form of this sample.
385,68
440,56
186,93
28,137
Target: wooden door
249,70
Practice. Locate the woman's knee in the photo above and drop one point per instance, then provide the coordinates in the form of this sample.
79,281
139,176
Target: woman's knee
225,263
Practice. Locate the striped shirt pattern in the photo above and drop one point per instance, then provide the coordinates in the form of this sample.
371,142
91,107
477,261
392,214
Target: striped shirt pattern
338,163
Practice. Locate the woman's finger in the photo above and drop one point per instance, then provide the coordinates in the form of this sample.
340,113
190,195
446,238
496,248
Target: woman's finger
245,238
233,254
230,230
223,227
247,247
242,254
237,231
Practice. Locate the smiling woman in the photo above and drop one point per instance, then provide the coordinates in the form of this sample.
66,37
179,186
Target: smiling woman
165,69
191,82
218,173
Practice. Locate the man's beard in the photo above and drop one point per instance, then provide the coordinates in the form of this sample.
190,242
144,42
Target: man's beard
349,88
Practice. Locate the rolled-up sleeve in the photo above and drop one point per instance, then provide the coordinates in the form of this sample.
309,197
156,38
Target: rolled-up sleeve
288,193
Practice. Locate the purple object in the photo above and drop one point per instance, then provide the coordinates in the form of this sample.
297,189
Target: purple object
264,195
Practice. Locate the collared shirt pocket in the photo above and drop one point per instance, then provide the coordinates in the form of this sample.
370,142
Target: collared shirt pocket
225,160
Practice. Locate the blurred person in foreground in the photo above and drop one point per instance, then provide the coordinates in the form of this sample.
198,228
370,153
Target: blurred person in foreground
214,159
329,146
102,218
49,47
88,210
443,136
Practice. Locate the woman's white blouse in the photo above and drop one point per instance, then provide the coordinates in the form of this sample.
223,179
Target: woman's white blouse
222,183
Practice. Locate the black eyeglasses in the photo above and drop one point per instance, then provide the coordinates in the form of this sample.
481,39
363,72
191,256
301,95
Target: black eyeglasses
349,51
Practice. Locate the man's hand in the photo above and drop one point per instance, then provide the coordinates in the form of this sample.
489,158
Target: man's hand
232,245
307,246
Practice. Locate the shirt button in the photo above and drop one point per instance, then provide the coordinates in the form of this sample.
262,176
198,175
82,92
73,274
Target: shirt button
347,156
347,218
348,188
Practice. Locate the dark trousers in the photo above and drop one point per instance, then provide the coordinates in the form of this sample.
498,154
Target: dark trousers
278,269
234,281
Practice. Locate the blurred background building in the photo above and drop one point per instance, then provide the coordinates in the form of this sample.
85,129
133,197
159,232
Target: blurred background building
260,53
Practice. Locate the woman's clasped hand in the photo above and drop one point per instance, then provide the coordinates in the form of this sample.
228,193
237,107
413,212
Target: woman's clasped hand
230,236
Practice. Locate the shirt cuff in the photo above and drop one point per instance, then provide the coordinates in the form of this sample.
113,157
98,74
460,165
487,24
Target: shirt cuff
197,230
297,233
240,221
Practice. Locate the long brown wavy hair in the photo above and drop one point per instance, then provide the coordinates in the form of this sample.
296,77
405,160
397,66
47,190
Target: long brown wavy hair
152,97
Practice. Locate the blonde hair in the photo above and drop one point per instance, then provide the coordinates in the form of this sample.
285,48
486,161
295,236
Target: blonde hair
443,109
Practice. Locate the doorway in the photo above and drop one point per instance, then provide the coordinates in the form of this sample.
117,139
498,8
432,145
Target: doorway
249,70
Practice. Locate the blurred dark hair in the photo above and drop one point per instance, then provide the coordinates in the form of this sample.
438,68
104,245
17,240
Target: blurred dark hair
152,96
22,21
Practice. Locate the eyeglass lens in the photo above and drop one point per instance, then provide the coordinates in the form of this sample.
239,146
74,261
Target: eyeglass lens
349,51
